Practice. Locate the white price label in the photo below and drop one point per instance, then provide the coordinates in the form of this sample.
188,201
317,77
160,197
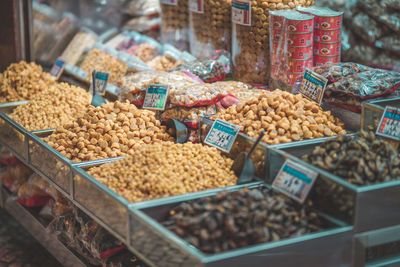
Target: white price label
57,68
156,97
196,6
313,86
169,2
294,180
222,135
389,126
241,12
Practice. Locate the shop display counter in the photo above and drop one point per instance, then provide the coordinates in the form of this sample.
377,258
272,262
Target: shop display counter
372,112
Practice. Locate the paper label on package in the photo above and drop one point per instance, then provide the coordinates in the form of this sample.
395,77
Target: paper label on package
156,97
222,135
294,180
100,80
389,126
241,12
196,6
313,86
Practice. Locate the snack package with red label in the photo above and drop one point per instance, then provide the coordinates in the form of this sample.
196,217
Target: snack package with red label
133,87
7,158
36,192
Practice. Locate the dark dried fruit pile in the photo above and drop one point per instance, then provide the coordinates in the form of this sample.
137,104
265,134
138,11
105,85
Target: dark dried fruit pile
232,220
362,159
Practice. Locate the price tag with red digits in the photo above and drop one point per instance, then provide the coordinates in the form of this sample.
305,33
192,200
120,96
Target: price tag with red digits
57,68
389,126
313,86
196,6
241,12
294,180
222,135
170,2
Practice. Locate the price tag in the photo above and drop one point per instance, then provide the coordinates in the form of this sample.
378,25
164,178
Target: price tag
196,6
313,86
241,12
100,79
294,180
169,2
389,126
57,68
156,97
222,135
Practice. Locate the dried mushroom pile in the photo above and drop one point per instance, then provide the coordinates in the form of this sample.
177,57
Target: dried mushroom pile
22,80
362,159
111,130
247,217
166,169
54,106
285,117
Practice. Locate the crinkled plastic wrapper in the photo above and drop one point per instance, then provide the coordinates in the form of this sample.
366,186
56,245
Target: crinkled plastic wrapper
250,44
175,24
211,30
189,116
208,70
143,7
133,87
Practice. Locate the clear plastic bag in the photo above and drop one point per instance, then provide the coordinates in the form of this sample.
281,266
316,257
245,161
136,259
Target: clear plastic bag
76,47
189,116
390,42
208,70
371,33
36,192
143,7
211,30
13,177
250,44
175,24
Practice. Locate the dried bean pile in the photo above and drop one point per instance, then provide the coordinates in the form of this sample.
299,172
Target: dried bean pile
285,117
110,130
362,159
231,220
166,169
22,80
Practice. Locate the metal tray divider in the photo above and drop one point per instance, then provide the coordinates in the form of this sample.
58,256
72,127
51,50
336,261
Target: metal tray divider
32,136
77,169
19,129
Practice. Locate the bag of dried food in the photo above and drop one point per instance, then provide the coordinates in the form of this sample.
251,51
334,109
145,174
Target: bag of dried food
250,37
133,87
189,116
210,27
14,176
36,192
175,23
84,38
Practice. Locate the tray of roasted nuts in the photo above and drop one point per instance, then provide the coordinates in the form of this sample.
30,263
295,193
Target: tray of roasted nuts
358,179
372,112
13,135
242,226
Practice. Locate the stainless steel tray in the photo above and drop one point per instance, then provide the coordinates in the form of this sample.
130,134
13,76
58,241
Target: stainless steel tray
48,162
372,112
13,135
100,200
367,207
326,248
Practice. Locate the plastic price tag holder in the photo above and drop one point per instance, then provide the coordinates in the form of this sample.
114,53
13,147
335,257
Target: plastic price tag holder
196,6
241,12
156,97
294,180
222,135
313,86
170,2
58,68
98,87
389,126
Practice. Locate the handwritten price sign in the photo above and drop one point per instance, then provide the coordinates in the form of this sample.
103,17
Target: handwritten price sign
313,86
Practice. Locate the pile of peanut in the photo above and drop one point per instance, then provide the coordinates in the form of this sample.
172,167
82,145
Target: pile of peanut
54,106
110,130
166,169
101,61
20,81
285,117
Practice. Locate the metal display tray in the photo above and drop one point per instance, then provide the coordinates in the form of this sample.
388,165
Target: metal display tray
368,207
13,135
372,112
331,247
